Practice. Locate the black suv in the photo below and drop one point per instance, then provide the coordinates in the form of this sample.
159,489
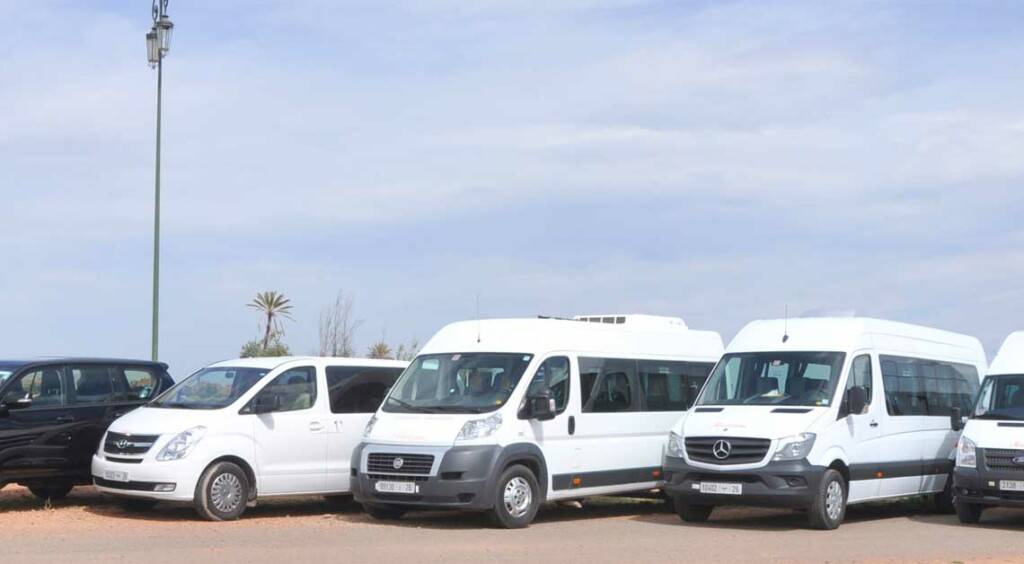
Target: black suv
53,414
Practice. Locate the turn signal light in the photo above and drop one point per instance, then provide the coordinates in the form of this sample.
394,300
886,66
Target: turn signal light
577,481
656,473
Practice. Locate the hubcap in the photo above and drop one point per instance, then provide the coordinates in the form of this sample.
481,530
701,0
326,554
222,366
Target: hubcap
834,500
226,492
517,497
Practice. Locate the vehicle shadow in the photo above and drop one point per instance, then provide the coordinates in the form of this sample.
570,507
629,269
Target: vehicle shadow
266,509
997,518
16,499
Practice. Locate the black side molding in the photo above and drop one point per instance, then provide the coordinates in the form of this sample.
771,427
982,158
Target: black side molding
708,409
1006,424
791,410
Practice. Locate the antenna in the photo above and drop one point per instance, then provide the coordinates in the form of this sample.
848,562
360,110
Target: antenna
785,325
478,318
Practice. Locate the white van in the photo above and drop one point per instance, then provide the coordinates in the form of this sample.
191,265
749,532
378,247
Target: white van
244,429
501,415
821,413
990,455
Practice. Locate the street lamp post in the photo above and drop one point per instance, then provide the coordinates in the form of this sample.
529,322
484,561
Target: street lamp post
158,43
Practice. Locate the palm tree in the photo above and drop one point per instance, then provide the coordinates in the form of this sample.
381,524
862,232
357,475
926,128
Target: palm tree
380,349
274,306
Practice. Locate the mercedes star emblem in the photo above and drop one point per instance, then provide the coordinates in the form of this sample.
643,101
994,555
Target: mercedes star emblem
721,449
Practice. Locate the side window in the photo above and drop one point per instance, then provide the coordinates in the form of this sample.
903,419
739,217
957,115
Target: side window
45,387
92,384
553,376
295,389
139,383
357,389
671,386
611,385
916,386
860,377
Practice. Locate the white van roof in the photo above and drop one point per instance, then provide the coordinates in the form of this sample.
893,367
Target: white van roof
1010,359
852,333
646,335
272,362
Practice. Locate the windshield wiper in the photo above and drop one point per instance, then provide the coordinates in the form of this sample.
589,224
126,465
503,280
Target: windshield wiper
997,415
411,407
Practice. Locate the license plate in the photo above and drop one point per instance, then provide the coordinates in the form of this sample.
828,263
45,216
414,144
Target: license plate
1012,485
397,487
115,476
721,488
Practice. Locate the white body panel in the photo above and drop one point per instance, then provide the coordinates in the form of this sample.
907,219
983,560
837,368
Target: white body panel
872,445
306,451
995,433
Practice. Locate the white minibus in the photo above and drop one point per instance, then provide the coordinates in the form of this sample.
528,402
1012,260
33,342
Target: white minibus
820,413
244,429
502,415
990,455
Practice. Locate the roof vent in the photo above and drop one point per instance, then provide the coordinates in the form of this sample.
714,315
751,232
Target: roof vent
633,320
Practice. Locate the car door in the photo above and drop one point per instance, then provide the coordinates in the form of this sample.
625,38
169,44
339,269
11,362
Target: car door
557,437
355,393
92,393
859,432
37,438
291,440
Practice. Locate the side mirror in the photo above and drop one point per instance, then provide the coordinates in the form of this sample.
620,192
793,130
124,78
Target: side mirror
266,403
16,400
540,407
856,400
956,419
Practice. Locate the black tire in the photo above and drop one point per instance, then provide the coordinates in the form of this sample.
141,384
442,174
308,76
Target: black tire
339,502
136,504
944,499
829,505
383,512
968,513
693,513
222,492
516,498
51,490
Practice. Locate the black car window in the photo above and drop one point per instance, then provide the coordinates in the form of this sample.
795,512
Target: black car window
139,383
44,386
92,383
359,389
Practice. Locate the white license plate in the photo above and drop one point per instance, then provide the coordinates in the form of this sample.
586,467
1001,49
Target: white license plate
721,488
115,476
397,487
1012,485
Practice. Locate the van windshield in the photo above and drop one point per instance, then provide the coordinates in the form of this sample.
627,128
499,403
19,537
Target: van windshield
774,378
457,383
1002,397
210,388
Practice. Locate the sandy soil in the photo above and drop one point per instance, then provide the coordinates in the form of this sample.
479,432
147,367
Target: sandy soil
87,527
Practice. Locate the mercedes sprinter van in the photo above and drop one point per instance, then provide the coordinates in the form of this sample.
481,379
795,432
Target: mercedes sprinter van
819,413
990,455
244,429
501,415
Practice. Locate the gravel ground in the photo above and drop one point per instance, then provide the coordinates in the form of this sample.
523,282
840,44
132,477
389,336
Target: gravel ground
87,527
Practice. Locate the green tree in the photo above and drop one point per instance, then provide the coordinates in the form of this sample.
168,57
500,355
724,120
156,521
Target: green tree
381,350
273,306
255,348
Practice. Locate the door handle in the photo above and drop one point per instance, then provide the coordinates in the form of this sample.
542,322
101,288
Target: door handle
873,423
572,425
316,426
65,419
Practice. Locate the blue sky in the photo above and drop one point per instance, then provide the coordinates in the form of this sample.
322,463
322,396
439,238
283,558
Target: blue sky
711,160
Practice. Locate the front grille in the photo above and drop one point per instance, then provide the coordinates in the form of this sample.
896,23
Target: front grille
741,450
387,463
397,478
1001,459
119,443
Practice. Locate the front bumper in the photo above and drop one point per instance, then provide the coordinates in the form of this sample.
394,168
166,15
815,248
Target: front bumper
778,484
464,479
145,477
982,487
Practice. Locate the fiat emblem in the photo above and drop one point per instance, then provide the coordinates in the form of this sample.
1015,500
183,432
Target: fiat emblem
397,463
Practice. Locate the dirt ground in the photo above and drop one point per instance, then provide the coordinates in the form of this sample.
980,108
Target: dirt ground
88,527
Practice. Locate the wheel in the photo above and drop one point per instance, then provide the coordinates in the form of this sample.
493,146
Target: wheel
968,513
136,503
384,512
339,502
829,505
51,490
944,499
222,492
516,498
692,513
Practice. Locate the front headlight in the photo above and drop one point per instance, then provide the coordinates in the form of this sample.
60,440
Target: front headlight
966,453
794,447
675,446
180,446
369,426
479,428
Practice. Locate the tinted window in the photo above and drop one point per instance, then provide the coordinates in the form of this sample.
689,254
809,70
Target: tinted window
552,376
1002,397
93,384
45,387
139,383
915,386
860,376
607,384
671,386
359,389
295,389
774,378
